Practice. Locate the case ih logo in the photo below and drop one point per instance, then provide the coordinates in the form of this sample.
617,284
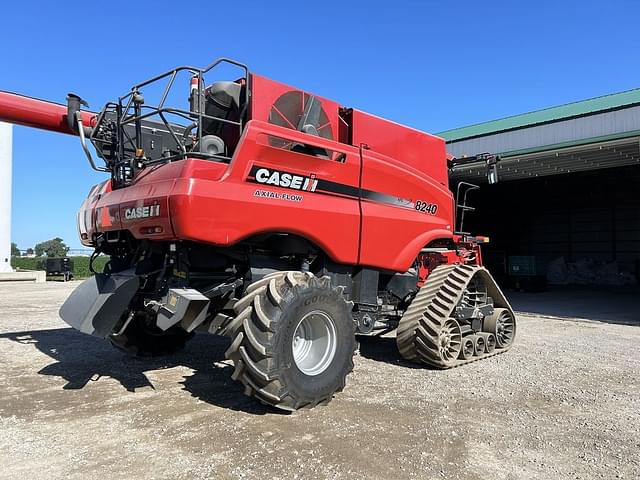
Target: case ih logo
279,178
284,179
142,212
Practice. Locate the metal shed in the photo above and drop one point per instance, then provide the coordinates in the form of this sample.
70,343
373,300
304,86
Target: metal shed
569,184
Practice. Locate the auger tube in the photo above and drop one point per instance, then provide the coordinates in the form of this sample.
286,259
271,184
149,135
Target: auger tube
37,113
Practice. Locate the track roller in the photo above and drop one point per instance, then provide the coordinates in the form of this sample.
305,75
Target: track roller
478,346
489,341
468,347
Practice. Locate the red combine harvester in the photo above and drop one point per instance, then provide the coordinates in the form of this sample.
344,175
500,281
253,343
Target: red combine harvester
279,219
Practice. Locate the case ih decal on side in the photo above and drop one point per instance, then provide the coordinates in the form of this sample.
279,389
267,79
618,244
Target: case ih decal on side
282,179
142,212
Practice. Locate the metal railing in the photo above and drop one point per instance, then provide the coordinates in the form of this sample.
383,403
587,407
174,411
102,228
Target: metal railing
130,111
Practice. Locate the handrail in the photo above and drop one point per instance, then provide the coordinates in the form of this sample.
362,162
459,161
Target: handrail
128,110
83,142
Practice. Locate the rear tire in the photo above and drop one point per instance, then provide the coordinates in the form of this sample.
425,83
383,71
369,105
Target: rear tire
294,342
144,339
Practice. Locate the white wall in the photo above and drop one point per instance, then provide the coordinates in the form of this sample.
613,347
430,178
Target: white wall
6,140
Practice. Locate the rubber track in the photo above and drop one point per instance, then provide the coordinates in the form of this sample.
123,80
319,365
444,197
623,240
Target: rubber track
417,334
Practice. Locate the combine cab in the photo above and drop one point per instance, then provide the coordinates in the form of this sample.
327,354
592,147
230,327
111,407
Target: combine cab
280,219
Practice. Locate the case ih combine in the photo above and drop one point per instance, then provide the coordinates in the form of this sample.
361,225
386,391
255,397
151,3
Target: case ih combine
279,219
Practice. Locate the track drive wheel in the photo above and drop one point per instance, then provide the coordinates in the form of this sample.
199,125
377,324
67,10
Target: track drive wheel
292,340
142,338
440,344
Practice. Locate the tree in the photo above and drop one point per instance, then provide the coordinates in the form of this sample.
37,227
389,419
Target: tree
14,250
30,251
52,248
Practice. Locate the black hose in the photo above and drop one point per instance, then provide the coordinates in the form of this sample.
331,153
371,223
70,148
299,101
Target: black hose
95,253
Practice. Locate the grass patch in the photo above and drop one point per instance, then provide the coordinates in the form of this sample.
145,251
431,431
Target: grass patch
80,264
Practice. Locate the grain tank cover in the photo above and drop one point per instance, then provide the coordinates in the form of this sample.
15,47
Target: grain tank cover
426,153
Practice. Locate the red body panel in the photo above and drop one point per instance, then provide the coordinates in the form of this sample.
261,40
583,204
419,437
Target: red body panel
425,153
219,204
87,213
376,201
32,112
392,235
112,210
410,166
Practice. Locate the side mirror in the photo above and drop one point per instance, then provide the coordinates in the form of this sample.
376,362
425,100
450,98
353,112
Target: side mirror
490,161
492,169
492,174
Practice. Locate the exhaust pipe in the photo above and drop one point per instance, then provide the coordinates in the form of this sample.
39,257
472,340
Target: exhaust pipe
73,107
74,122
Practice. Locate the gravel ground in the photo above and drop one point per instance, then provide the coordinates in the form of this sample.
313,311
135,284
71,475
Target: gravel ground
563,403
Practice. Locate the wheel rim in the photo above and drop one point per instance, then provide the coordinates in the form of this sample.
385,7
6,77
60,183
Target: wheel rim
314,343
505,328
450,340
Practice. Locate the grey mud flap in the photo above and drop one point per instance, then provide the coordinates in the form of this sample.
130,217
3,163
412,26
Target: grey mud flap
97,304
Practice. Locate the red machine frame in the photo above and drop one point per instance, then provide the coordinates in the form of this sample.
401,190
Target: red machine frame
380,199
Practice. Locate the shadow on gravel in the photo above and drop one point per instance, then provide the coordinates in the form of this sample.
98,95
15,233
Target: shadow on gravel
384,349
81,359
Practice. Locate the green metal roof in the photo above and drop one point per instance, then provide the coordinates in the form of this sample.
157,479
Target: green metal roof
553,114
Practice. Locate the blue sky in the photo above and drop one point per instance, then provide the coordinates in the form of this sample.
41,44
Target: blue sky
430,65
